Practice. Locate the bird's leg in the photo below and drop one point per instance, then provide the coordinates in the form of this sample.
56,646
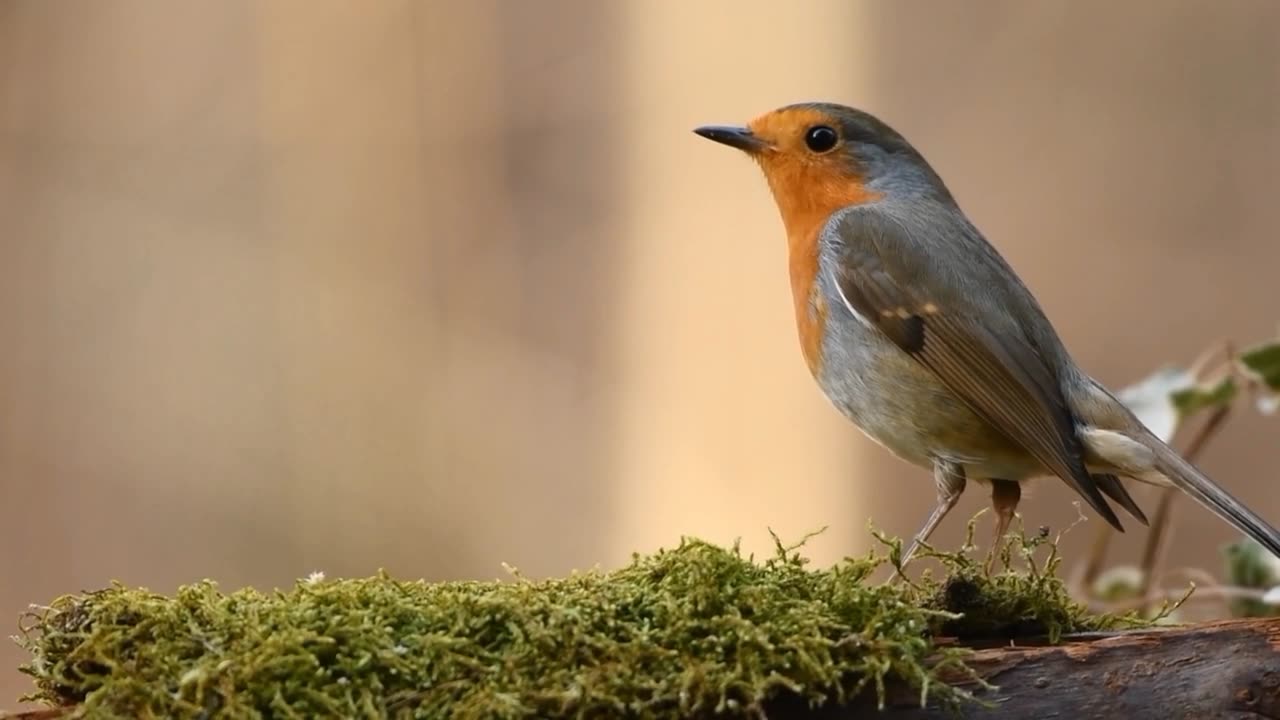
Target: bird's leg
1005,495
949,479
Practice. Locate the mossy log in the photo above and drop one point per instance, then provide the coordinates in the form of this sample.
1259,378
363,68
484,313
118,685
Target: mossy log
698,631
1226,669
1219,670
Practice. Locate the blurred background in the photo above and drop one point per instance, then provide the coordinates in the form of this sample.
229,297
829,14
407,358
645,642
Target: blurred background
433,286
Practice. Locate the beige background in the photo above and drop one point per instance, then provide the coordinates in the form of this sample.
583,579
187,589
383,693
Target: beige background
288,286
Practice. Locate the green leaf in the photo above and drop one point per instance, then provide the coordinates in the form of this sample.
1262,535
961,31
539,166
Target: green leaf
1251,566
1189,401
1264,362
1151,399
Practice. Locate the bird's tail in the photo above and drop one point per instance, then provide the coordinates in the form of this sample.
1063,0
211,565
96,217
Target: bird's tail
1187,478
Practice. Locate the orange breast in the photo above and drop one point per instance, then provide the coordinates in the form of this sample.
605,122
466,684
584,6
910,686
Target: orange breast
806,203
810,307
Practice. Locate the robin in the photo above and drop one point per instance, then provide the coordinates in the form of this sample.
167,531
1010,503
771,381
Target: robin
921,334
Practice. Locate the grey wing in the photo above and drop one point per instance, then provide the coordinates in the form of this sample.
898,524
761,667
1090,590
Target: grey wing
889,278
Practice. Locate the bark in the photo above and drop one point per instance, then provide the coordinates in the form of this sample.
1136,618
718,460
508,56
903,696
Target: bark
1228,669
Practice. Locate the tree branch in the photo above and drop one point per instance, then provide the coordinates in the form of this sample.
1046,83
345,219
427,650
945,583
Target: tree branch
1228,669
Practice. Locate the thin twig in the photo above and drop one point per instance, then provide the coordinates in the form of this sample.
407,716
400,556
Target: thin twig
1094,564
1223,592
1222,347
1197,576
1201,578
1161,524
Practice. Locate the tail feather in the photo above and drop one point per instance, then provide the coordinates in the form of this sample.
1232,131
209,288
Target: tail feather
1117,441
1187,478
1110,484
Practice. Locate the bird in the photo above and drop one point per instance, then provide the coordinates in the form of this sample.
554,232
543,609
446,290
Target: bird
919,332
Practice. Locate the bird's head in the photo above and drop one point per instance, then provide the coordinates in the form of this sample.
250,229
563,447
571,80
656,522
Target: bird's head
826,155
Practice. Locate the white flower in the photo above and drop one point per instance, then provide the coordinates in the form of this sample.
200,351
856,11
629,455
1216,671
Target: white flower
1151,399
1268,404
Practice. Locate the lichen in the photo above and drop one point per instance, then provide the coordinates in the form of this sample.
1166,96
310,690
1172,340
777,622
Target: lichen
694,631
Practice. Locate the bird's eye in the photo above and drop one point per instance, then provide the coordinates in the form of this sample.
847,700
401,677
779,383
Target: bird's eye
820,138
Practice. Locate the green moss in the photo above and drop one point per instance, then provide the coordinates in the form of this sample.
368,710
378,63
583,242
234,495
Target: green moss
695,631
1031,603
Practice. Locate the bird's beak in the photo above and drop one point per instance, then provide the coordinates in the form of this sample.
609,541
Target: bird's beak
737,137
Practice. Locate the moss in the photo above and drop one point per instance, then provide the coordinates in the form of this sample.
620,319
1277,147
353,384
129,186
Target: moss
1010,604
695,631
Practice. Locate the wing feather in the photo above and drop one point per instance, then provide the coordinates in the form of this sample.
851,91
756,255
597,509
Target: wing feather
1000,375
